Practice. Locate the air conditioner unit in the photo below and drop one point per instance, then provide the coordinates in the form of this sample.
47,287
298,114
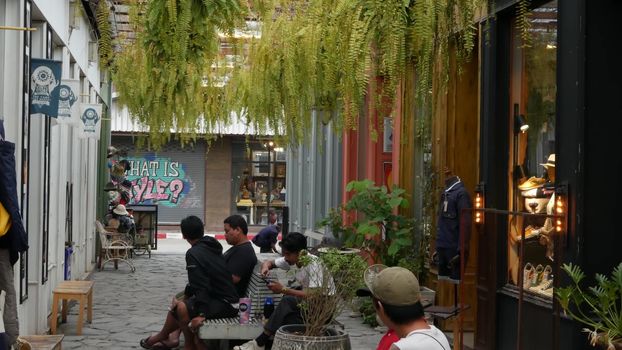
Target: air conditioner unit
92,51
74,14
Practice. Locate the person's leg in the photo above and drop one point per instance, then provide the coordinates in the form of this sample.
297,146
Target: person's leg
170,325
173,337
183,318
287,312
11,324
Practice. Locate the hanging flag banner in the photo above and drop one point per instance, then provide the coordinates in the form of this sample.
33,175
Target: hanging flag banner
44,82
68,110
90,120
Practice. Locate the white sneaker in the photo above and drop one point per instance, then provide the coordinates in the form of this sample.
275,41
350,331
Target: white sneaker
250,345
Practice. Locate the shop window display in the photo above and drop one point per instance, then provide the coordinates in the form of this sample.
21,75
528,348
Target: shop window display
258,182
532,167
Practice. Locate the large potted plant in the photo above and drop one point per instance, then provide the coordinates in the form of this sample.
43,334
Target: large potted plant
380,231
343,274
597,307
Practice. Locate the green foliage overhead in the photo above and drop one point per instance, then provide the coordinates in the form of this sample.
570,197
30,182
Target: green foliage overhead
166,78
105,33
321,55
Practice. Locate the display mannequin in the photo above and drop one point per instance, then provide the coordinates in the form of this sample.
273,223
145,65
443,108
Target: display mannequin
454,199
546,230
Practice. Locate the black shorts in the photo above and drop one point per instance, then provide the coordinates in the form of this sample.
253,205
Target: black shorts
212,308
445,271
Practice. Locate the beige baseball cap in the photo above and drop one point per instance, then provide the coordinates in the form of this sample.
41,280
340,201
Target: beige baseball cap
395,286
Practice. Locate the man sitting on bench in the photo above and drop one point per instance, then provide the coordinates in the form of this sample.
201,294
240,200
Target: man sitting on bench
210,292
294,246
240,260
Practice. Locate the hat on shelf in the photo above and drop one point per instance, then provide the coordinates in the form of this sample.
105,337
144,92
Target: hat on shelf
531,183
550,162
538,192
120,210
395,286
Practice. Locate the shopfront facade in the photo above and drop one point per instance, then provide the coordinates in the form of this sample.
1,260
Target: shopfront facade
546,142
56,170
231,174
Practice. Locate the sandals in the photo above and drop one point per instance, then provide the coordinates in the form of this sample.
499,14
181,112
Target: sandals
156,346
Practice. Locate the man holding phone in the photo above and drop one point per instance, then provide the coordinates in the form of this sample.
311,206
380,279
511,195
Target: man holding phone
294,246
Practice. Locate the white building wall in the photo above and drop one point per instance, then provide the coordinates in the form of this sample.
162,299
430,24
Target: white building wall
72,160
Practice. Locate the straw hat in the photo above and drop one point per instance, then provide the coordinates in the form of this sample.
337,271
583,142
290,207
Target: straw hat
120,210
550,162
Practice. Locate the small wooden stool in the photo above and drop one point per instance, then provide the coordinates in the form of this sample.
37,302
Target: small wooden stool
81,291
44,342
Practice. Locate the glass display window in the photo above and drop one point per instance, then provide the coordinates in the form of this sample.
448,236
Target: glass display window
258,178
533,90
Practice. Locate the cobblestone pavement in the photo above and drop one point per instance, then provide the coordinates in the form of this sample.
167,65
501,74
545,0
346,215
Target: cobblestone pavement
130,306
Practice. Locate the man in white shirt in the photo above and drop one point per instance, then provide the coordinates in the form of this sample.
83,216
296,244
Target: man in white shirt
309,276
396,297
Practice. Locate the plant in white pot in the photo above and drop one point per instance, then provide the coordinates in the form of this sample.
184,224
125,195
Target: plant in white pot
597,307
321,305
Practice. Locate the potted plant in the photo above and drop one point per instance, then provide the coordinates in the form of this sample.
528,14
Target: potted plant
597,307
343,273
380,231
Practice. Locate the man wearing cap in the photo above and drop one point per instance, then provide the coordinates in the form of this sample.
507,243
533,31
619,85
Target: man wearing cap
396,297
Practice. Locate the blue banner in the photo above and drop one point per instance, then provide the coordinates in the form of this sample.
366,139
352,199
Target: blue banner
45,78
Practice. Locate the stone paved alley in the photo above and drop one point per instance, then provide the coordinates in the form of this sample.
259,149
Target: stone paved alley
129,306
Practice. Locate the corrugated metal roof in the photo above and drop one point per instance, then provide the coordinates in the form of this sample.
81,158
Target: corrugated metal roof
122,122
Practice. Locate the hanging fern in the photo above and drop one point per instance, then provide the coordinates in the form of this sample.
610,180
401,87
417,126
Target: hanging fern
161,77
105,33
523,22
324,55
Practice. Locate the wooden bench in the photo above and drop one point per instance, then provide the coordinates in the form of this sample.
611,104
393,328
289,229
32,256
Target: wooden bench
44,342
112,249
82,291
227,329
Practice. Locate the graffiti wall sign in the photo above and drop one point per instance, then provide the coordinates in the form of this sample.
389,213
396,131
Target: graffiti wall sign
161,180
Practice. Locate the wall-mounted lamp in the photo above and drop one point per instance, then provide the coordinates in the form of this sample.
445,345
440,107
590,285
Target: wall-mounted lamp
561,207
478,213
520,124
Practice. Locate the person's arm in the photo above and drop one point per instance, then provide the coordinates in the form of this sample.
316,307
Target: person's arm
266,266
194,274
277,287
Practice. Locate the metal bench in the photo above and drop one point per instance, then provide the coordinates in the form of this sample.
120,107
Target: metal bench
226,329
